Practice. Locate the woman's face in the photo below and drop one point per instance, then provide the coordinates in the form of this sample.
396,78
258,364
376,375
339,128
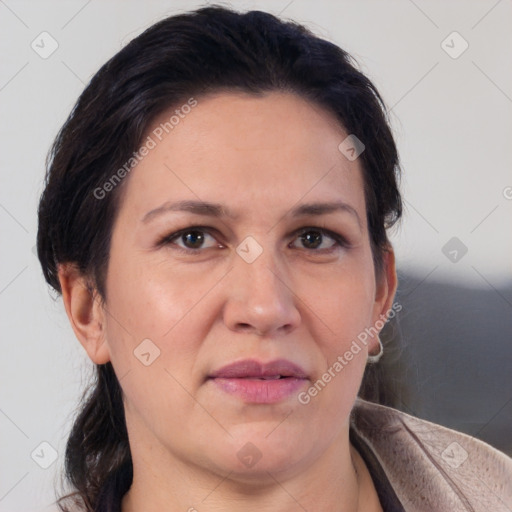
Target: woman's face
261,275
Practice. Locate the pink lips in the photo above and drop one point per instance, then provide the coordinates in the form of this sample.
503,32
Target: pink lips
260,383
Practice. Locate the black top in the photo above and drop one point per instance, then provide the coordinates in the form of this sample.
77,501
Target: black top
387,497
120,481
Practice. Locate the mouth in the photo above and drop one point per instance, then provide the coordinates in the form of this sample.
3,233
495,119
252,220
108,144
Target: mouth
256,382
253,369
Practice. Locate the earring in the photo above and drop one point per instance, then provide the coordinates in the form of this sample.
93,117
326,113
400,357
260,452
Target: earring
375,358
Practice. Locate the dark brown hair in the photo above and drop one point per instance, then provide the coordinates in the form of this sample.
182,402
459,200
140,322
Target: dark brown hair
188,55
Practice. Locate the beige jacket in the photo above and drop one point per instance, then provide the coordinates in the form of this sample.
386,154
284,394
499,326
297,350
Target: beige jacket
432,468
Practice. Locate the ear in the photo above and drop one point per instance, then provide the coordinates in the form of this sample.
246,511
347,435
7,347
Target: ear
386,287
85,312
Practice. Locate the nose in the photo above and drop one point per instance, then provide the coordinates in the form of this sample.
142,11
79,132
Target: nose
260,301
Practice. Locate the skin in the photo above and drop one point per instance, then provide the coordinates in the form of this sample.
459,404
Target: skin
260,157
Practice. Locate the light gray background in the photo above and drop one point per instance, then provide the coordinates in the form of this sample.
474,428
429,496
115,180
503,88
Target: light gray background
452,119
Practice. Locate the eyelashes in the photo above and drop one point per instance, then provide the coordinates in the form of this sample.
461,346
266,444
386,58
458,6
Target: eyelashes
304,235
311,239
197,236
197,233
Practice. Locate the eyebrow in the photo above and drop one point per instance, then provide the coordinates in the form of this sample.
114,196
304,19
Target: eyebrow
197,207
324,208
220,211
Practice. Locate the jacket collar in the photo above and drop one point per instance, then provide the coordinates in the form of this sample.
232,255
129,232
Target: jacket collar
433,468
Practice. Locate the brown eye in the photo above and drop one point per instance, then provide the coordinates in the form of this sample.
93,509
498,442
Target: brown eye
312,239
317,239
192,239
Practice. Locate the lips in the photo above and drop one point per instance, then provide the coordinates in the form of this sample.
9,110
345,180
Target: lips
260,383
252,369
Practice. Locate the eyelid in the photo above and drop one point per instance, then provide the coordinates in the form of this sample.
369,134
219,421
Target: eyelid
167,239
337,237
341,241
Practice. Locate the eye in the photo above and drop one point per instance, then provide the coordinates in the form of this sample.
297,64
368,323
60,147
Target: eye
316,239
190,239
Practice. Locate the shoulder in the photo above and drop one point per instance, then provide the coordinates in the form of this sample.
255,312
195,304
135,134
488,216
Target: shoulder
432,467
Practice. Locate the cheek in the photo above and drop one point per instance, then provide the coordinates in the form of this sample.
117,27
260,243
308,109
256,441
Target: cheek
155,330
150,306
339,310
145,294
342,300
169,305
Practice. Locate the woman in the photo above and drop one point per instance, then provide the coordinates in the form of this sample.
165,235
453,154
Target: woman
215,218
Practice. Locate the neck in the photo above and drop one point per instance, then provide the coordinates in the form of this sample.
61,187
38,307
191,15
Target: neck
333,481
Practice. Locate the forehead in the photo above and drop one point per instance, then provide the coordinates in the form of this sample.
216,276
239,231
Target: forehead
264,152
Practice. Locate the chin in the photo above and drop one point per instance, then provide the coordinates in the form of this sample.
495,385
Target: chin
260,455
